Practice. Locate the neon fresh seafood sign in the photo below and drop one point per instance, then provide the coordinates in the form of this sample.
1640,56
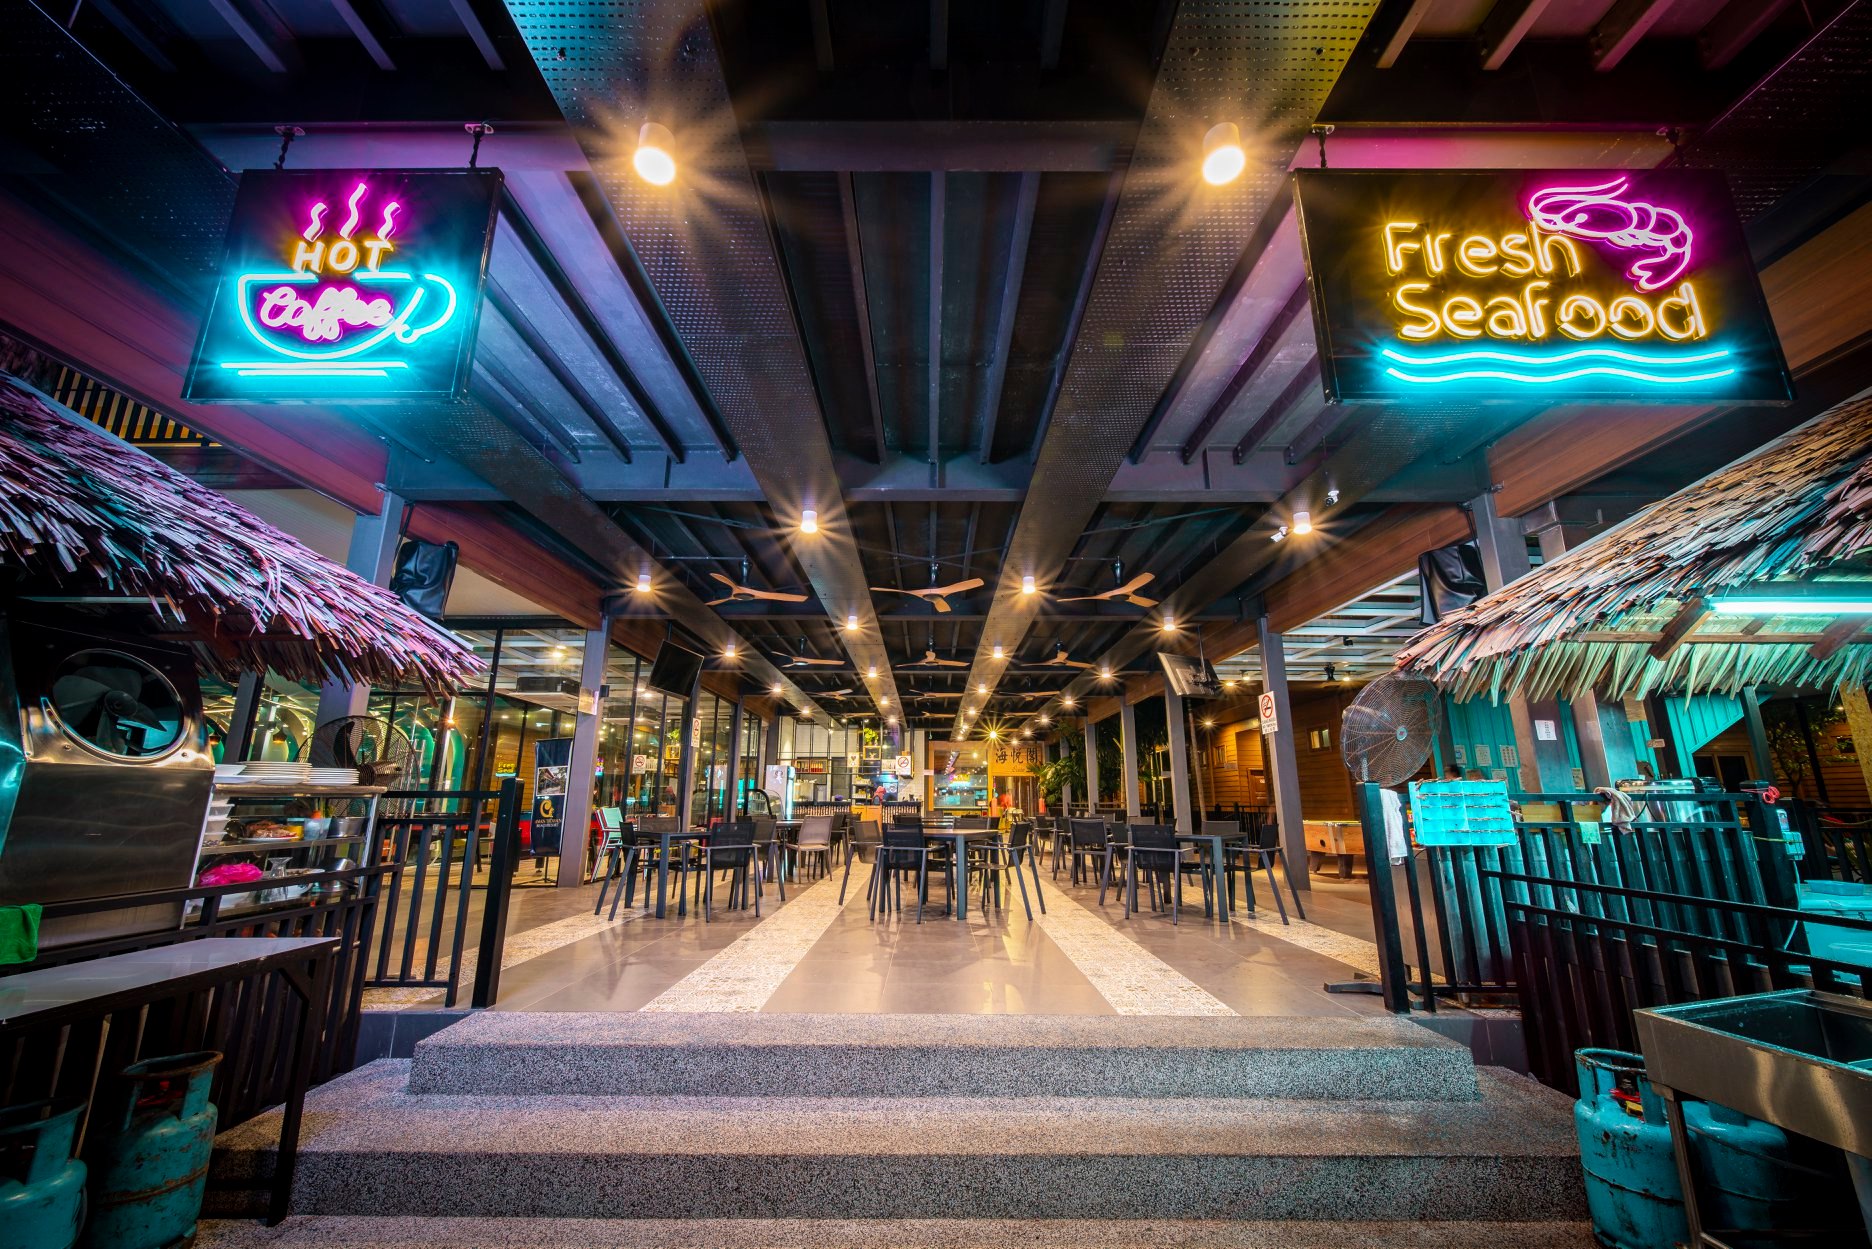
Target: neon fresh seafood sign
1449,286
1634,286
356,285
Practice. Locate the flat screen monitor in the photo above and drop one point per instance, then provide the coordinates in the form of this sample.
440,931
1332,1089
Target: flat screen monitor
675,670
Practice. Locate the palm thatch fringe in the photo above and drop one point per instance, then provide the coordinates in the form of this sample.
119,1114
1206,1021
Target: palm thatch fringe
1799,507
88,513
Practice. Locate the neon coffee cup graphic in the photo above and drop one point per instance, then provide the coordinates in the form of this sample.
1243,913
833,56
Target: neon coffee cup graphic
336,312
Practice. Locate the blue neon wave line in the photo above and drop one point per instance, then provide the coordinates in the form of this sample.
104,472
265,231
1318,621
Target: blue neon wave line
1676,379
1514,357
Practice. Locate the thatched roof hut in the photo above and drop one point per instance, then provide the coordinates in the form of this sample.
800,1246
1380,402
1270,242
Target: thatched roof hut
85,512
1628,613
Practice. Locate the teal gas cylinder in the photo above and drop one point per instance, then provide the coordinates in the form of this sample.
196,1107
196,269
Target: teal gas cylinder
42,1187
1747,1172
148,1151
1632,1189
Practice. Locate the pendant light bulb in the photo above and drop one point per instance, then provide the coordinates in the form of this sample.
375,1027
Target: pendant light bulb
1223,157
655,157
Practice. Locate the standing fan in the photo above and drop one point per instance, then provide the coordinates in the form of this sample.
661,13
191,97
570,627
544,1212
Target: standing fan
1387,731
380,751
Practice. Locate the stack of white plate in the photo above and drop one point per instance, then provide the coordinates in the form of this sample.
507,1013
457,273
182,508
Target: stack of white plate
216,825
334,776
270,772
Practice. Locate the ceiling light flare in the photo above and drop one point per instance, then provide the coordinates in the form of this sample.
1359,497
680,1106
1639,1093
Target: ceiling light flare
728,651
1105,673
1223,157
999,653
1066,701
778,689
851,622
655,158
1027,584
1169,624
1303,522
809,521
981,687
643,583
872,672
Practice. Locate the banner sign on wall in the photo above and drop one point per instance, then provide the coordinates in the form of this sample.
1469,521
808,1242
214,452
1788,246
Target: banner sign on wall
1627,286
552,759
348,285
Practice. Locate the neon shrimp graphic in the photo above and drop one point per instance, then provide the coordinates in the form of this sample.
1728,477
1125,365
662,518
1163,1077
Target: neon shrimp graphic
1600,214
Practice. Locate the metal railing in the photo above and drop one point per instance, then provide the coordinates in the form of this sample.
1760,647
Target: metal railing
1587,955
252,1022
444,848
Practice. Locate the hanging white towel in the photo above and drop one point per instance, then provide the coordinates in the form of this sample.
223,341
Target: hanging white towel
1396,843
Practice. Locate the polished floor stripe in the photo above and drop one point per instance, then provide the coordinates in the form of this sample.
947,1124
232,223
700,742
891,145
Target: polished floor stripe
1355,952
1130,977
742,976
520,947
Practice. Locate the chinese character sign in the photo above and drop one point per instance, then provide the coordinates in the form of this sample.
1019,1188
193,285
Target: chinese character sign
348,285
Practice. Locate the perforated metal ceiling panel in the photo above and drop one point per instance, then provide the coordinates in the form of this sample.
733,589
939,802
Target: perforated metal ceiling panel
704,243
1266,65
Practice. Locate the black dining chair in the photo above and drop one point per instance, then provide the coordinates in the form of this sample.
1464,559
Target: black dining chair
902,852
730,848
865,836
1263,852
1009,854
1160,860
1089,841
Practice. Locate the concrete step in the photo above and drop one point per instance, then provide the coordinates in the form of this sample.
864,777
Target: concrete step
372,1147
649,1055
302,1232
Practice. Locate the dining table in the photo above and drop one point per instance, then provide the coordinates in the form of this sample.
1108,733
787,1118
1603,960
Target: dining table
958,840
667,840
1223,868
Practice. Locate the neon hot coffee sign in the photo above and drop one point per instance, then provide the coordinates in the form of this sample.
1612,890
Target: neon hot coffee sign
1593,286
348,285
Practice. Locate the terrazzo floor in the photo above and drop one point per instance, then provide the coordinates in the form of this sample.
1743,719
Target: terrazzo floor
813,954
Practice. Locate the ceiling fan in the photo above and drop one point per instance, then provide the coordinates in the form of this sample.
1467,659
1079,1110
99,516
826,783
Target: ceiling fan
832,693
1061,659
1127,592
800,659
936,596
929,660
738,593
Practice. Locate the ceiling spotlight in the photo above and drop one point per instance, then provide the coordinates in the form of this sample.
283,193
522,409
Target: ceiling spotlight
1027,584
1228,680
1105,673
998,652
1169,624
994,735
809,521
1279,535
1208,724
778,689
643,583
1026,732
883,702
1066,701
968,713
981,687
1332,496
1044,720
1303,522
872,674
728,652
655,158
851,622
1223,157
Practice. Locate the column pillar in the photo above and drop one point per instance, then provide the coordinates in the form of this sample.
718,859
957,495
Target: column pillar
1859,720
732,773
1129,780
241,723
1504,559
581,774
685,759
1179,760
1596,757
1282,759
1760,755
372,556
1091,768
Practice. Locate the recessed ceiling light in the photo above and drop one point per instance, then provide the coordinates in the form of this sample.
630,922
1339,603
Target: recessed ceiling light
1027,584
851,622
809,521
1169,624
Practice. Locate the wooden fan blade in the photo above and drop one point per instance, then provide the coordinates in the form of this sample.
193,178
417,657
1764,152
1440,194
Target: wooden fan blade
973,583
1136,601
1084,598
939,603
723,580
1143,578
775,596
890,589
717,602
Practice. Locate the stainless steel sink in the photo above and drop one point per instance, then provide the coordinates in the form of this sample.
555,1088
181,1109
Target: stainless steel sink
1799,1059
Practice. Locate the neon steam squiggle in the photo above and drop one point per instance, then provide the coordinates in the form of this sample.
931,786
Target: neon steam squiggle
1598,214
1528,357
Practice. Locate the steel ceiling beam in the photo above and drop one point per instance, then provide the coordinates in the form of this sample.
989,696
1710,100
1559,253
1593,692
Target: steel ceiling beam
1172,246
471,22
1251,367
1299,385
861,300
1409,16
1619,31
360,29
938,203
708,257
249,34
1024,200
917,145
516,319
1506,25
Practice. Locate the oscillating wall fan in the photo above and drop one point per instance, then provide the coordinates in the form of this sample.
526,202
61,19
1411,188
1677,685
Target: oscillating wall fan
1386,732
